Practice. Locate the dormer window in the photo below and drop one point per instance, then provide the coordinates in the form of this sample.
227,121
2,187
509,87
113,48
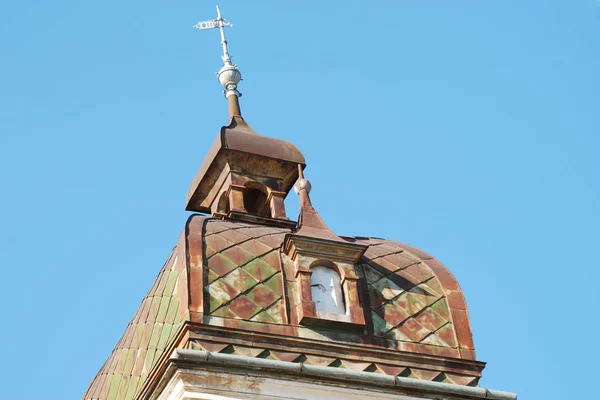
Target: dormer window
326,290
325,279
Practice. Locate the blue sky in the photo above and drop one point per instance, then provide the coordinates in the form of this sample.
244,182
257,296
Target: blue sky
467,128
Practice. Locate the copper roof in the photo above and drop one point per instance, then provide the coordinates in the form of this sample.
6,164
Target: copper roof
239,148
227,288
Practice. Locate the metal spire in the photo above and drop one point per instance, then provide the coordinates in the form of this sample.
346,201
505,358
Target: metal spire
221,22
229,75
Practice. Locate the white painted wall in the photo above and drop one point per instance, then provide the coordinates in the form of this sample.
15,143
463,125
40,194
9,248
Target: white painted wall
205,385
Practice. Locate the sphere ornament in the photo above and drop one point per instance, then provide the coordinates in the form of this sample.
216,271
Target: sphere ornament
229,76
302,184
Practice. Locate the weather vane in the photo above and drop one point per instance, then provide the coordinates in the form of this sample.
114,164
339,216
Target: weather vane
229,75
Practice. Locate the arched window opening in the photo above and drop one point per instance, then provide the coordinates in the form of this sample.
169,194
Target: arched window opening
255,202
223,205
326,290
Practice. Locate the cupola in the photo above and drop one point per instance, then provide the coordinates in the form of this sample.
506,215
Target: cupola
245,176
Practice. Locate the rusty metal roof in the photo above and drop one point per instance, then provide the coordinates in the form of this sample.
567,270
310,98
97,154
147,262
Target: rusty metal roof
226,280
239,147
413,300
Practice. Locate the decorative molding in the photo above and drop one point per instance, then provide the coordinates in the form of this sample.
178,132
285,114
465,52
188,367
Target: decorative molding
193,374
324,249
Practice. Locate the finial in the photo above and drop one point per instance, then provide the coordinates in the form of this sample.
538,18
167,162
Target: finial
309,220
302,189
229,75
302,184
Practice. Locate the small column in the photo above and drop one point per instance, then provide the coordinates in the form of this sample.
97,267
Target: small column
307,306
236,198
277,205
350,285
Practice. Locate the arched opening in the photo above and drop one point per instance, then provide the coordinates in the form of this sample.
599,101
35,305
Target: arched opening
326,290
255,202
223,204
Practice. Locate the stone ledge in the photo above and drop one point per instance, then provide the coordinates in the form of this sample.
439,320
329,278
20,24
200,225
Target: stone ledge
294,369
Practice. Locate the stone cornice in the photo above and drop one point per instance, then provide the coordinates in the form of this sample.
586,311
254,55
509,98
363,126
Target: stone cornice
184,362
323,248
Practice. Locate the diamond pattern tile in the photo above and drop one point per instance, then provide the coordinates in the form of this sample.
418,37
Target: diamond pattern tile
408,301
240,280
238,255
259,269
430,319
244,272
393,313
221,264
447,334
412,300
243,307
263,296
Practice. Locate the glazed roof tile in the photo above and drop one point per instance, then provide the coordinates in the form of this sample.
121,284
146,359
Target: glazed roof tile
233,275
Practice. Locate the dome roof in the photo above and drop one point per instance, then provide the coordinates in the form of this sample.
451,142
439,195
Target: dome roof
228,287
412,302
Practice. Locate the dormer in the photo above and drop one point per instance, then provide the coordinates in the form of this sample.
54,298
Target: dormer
245,176
325,290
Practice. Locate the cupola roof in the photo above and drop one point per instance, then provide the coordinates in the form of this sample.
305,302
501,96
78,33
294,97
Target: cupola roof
228,288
